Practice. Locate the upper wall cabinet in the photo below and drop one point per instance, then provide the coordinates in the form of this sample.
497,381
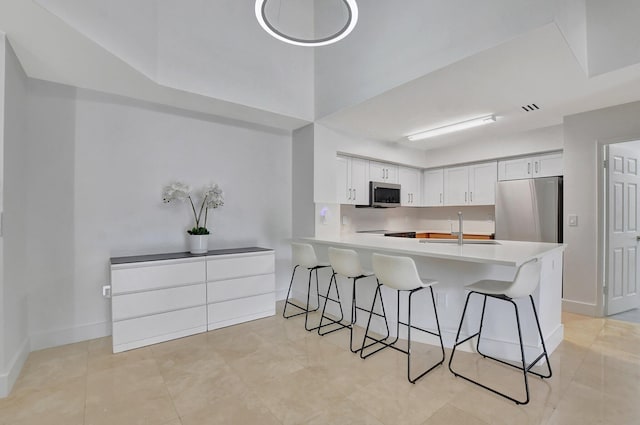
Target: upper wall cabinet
410,193
352,180
382,172
471,184
528,167
433,188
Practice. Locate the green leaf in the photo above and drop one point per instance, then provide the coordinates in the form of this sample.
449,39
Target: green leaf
198,231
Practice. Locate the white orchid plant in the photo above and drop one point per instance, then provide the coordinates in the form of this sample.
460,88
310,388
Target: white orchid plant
212,197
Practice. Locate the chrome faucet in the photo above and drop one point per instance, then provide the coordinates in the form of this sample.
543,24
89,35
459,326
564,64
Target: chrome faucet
459,233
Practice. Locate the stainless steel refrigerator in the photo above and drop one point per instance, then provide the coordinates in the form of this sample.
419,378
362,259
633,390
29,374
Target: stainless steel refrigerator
529,210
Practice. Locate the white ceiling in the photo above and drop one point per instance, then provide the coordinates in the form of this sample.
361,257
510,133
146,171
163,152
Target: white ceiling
538,67
212,57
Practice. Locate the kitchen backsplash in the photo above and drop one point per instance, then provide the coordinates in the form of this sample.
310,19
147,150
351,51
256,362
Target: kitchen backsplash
477,219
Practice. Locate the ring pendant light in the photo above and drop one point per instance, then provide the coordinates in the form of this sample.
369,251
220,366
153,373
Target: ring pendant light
351,5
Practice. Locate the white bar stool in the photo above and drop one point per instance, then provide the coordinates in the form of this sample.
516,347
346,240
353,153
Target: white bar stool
526,281
400,273
346,263
304,255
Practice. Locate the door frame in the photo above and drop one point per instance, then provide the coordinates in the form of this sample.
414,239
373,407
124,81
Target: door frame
601,147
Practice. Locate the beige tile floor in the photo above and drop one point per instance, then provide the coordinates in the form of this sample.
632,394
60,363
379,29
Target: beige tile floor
271,371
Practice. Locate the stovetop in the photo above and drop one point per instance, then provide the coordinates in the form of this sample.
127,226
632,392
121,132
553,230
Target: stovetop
375,232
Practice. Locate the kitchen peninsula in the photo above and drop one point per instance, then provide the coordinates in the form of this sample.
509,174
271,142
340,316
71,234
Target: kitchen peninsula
455,266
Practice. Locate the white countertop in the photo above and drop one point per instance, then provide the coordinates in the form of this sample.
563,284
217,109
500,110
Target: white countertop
508,253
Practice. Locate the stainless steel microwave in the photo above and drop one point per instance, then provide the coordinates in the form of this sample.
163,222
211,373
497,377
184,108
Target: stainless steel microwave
384,195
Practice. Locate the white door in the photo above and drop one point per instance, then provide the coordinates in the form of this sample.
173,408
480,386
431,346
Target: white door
548,165
456,185
378,171
343,180
409,179
482,183
622,228
359,181
515,169
433,185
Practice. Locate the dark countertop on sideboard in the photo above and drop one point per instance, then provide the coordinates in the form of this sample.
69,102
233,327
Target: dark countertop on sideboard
178,255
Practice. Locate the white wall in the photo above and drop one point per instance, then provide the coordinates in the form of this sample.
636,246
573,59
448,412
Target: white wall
215,49
477,219
303,223
539,140
55,296
14,319
108,159
585,134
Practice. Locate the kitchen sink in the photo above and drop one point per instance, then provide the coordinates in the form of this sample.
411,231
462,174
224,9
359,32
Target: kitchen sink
466,241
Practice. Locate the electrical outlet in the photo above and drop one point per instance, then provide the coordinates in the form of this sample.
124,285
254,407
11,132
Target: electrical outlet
573,220
106,291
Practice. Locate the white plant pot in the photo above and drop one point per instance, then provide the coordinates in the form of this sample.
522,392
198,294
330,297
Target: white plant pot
198,244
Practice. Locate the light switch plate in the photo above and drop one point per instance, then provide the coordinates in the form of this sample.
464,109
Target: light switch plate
573,220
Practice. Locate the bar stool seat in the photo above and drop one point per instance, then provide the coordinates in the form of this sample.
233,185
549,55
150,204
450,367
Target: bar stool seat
304,255
400,273
346,263
524,284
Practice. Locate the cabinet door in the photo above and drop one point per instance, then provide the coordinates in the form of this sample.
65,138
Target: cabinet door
343,188
456,185
548,165
482,183
409,179
433,185
377,171
391,173
515,169
359,181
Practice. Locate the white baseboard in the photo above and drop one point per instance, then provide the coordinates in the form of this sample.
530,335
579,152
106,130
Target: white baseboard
281,294
42,340
581,308
9,378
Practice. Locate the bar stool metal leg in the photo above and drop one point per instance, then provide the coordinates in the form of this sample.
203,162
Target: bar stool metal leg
304,310
409,328
526,369
333,281
366,332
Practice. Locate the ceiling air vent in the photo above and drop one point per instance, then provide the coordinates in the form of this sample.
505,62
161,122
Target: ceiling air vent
530,107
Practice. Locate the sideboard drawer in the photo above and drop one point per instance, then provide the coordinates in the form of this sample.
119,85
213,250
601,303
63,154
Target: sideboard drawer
239,288
156,328
226,311
127,306
246,265
155,276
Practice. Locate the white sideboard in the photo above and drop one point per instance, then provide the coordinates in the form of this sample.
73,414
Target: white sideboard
156,298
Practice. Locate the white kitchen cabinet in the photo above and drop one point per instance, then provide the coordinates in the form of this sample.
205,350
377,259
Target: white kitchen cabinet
471,184
548,165
482,183
383,172
156,298
410,180
456,185
433,188
352,180
528,167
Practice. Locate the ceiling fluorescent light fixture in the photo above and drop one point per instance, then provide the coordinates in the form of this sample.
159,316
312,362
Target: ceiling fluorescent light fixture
352,19
453,127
